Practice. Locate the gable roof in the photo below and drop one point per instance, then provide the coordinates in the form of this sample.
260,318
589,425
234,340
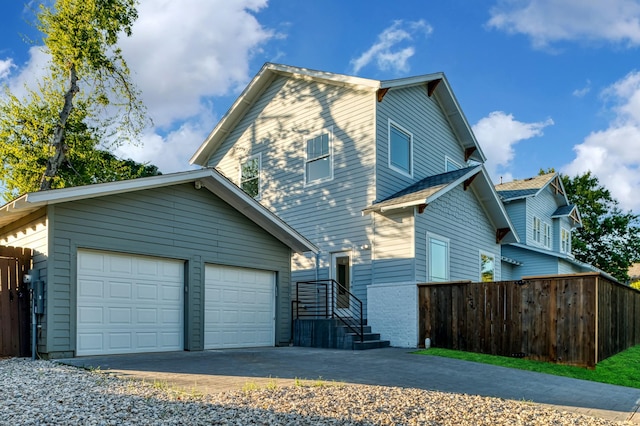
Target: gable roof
203,178
428,190
570,211
530,187
422,192
436,84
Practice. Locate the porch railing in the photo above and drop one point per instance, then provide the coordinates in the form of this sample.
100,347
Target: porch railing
328,299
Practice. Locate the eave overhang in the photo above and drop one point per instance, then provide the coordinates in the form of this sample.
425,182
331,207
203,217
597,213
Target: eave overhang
256,87
207,178
570,211
436,85
532,187
563,256
474,178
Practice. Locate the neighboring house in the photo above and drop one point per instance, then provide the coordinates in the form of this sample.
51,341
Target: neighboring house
544,220
171,262
385,177
634,273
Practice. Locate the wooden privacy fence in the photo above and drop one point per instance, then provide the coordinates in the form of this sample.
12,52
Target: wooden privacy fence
14,301
570,319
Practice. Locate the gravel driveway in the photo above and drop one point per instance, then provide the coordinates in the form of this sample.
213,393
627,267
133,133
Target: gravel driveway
47,393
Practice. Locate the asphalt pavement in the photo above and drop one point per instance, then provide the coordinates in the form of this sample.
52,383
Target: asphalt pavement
221,370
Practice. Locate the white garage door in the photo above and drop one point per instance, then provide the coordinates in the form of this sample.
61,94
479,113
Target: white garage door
128,303
239,307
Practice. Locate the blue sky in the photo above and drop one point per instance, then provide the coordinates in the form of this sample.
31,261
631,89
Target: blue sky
543,83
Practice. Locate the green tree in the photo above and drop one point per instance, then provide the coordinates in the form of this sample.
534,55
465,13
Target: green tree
27,126
86,99
609,238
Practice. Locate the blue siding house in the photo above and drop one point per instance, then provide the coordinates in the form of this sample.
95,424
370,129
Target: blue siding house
544,220
385,177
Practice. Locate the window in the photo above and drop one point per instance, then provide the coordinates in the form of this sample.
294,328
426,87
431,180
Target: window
438,258
450,165
547,234
318,163
250,176
565,241
536,229
487,267
400,149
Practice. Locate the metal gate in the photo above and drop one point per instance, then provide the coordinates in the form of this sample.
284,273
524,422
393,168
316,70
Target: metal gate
14,301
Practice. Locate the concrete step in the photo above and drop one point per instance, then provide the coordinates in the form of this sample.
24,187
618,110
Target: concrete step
366,336
350,330
370,344
330,333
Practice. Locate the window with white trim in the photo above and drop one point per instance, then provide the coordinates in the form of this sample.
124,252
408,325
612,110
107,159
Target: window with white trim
537,225
250,175
450,165
318,163
547,234
437,258
487,267
565,240
400,149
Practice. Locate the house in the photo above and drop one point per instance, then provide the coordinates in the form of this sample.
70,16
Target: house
183,261
634,273
544,219
384,177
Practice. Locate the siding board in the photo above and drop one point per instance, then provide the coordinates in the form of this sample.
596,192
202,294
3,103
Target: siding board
327,213
174,222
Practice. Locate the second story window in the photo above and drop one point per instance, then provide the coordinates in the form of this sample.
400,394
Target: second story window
547,235
318,163
250,176
537,230
565,241
400,149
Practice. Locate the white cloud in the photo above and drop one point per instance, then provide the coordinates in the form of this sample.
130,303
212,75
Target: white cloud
387,53
497,134
6,66
548,21
581,93
180,55
31,73
170,153
613,154
182,52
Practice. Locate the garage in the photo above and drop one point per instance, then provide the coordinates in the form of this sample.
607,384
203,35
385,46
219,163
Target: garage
123,265
128,303
239,307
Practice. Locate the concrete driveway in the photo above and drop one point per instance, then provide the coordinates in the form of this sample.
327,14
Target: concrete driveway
221,370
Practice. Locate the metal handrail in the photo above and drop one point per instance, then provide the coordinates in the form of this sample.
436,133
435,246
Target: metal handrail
318,299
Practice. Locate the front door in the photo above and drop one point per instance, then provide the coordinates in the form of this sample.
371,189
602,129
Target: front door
341,272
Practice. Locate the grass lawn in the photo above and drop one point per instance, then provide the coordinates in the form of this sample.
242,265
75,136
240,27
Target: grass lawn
622,369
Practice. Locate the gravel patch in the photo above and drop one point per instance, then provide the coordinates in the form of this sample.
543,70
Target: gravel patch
47,393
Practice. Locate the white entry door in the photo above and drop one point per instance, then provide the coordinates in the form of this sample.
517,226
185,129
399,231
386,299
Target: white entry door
239,307
128,303
341,272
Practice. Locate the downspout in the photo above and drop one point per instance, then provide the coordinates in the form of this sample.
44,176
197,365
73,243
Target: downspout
34,326
414,243
373,247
